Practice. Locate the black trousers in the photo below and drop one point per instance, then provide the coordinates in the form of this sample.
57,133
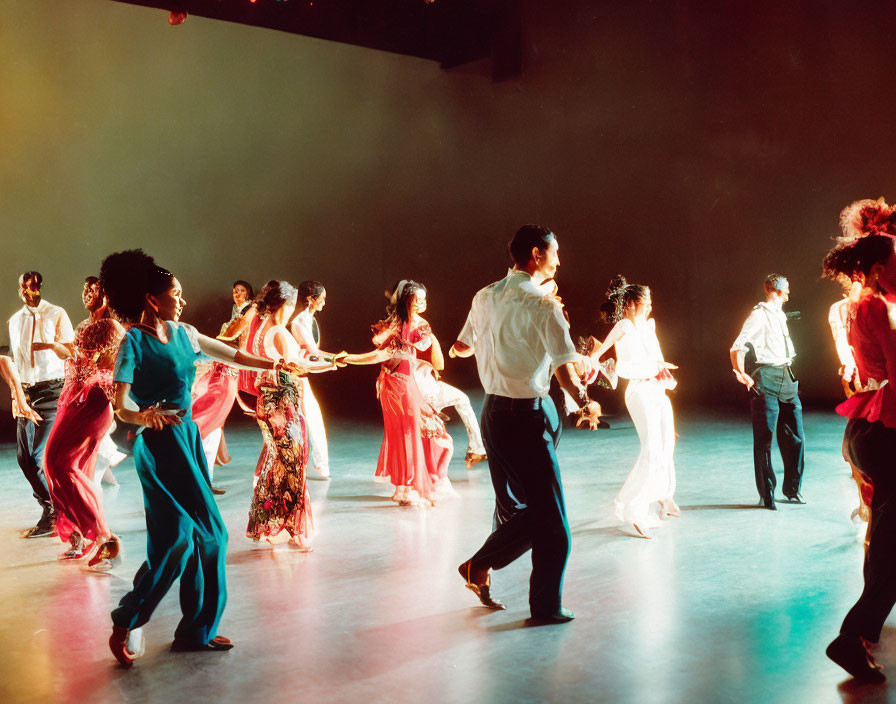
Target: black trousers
775,409
521,436
31,439
872,448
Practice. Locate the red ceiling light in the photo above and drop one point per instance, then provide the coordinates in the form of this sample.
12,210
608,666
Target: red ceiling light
176,17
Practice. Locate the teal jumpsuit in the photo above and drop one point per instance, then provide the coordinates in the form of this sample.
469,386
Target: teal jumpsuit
185,536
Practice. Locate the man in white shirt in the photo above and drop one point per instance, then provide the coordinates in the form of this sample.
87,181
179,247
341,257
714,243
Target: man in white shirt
775,403
520,336
40,340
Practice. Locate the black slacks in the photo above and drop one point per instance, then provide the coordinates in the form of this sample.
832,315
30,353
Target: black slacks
31,438
872,448
775,409
521,436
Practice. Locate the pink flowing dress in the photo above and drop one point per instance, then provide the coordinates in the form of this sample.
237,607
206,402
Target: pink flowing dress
83,418
416,447
213,397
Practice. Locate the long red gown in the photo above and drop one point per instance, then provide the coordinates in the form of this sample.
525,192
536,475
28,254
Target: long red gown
416,447
83,418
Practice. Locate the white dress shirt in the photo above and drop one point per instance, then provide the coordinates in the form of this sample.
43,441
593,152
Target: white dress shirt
766,330
45,323
519,336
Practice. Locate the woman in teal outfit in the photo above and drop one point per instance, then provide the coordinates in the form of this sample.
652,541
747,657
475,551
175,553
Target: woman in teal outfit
186,537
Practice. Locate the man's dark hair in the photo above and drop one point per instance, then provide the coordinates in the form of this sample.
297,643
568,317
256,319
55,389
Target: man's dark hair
33,275
527,237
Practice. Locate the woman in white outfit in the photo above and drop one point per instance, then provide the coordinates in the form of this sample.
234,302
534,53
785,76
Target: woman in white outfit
312,299
646,495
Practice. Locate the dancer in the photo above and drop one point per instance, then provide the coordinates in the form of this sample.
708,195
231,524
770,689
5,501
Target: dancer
870,437
216,388
186,537
312,299
281,501
416,447
646,496
518,335
108,455
83,419
440,395
775,403
40,339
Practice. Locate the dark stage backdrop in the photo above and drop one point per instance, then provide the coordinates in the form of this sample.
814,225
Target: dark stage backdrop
693,147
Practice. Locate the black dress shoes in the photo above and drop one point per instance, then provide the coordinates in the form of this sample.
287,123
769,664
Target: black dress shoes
850,653
795,499
216,644
481,590
561,615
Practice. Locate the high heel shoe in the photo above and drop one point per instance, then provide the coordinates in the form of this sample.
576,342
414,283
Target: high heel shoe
107,556
482,591
80,546
127,644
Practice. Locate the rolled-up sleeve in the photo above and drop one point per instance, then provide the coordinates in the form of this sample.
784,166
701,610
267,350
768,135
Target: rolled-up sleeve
555,336
468,333
750,331
64,328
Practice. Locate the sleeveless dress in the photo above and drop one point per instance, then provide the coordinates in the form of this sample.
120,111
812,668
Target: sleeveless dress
416,447
280,500
652,479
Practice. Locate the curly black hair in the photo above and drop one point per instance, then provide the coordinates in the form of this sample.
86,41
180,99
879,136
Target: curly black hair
127,277
620,293
854,257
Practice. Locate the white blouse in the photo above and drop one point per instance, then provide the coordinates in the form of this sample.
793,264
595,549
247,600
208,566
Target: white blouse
638,351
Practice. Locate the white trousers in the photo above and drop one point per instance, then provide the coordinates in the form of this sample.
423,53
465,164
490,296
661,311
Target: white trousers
440,395
652,479
210,445
107,456
318,452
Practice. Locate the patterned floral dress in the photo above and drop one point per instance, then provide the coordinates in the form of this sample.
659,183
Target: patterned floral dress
416,447
281,500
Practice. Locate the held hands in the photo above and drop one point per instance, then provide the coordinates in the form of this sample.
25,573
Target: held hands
153,418
590,414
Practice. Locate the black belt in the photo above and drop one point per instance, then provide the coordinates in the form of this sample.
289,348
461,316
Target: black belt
41,385
505,403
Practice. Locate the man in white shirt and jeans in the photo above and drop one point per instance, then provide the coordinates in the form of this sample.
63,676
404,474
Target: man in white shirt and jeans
520,336
775,403
40,340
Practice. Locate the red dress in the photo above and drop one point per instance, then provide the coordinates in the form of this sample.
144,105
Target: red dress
416,447
213,397
83,418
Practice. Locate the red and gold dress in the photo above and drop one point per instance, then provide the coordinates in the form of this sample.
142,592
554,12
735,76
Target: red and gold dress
416,447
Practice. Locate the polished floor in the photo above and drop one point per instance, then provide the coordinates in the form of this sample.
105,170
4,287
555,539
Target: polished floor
730,603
